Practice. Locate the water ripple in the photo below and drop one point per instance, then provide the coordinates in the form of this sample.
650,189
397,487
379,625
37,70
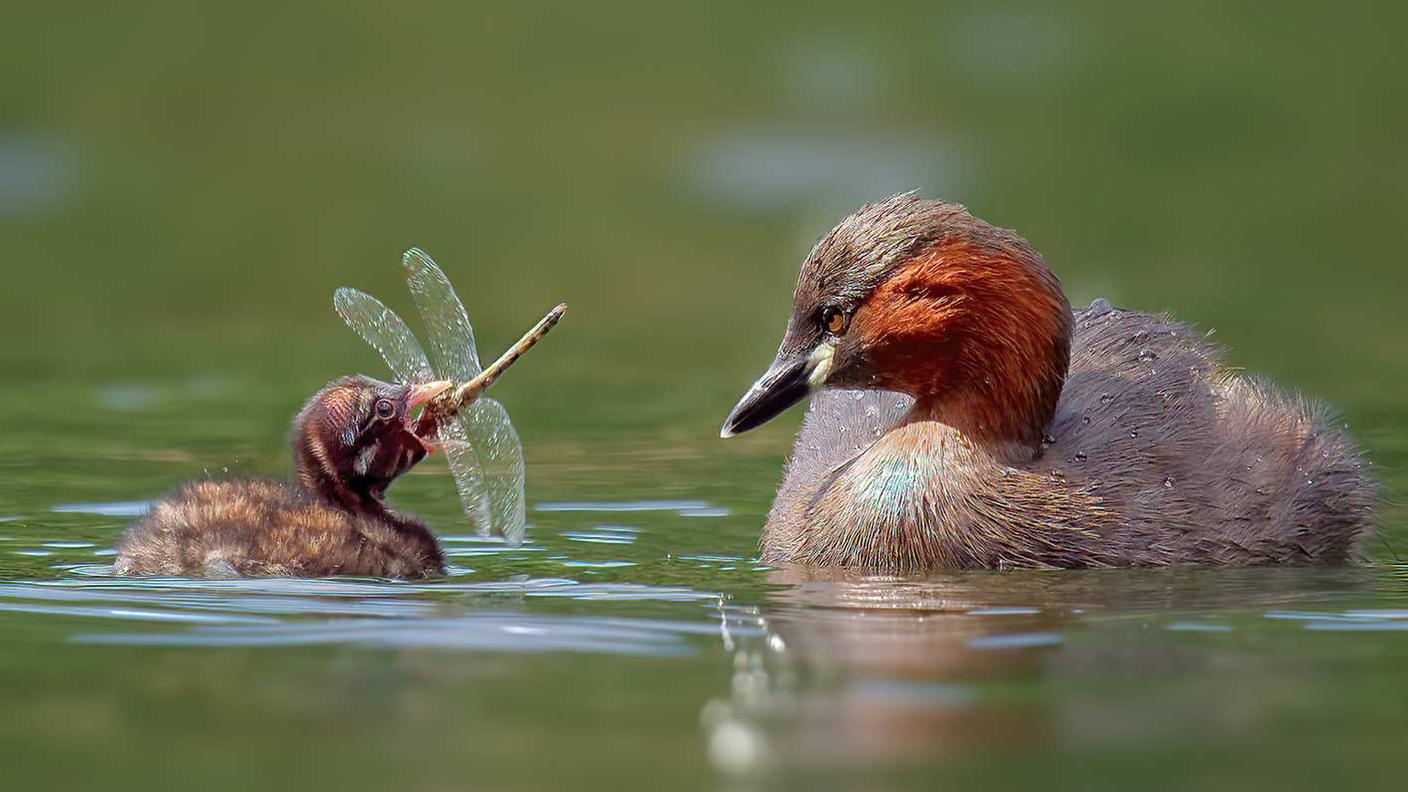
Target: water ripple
291,611
687,508
1198,627
603,534
109,509
511,632
1015,641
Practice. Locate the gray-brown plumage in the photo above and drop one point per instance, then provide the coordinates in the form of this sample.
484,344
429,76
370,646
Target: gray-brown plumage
972,420
350,441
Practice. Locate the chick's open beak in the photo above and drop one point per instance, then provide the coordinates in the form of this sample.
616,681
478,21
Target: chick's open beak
422,393
787,381
422,426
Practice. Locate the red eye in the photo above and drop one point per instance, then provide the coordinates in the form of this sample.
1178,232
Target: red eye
385,409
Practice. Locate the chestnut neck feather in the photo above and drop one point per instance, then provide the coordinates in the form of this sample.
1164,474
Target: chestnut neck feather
979,332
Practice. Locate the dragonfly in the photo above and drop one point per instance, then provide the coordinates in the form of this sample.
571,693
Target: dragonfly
483,450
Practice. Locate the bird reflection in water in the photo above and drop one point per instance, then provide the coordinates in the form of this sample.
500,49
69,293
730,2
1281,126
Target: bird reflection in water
847,670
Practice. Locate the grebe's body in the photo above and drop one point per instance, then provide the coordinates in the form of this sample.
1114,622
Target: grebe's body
350,441
257,528
973,421
1157,454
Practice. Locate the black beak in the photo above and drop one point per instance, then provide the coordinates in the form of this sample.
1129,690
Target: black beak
784,384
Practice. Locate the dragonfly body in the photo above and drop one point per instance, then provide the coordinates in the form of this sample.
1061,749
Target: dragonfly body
449,404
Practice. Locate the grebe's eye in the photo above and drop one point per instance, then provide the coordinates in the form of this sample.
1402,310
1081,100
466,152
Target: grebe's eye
834,320
385,409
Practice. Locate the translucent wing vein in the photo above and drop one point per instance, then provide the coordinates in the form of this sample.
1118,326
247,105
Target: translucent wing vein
386,332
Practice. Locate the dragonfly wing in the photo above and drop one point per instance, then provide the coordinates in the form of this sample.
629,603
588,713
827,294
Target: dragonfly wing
451,338
501,453
486,459
386,332
465,467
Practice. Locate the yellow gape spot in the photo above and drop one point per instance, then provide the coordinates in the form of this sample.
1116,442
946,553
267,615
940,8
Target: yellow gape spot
819,365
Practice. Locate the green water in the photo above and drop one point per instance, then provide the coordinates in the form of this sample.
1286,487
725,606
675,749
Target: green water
181,189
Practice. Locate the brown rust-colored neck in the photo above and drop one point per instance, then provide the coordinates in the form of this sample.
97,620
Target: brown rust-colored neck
983,341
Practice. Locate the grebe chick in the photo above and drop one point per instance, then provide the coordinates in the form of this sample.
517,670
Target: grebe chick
350,441
971,420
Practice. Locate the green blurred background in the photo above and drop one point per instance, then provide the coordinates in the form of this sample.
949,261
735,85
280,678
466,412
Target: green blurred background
183,185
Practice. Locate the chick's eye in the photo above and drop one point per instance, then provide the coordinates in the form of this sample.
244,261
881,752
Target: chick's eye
834,320
385,409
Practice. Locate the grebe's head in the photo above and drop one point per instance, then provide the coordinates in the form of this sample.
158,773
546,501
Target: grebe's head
355,436
919,296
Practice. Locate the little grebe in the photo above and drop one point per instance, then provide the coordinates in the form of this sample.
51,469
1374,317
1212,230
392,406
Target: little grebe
971,420
350,441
